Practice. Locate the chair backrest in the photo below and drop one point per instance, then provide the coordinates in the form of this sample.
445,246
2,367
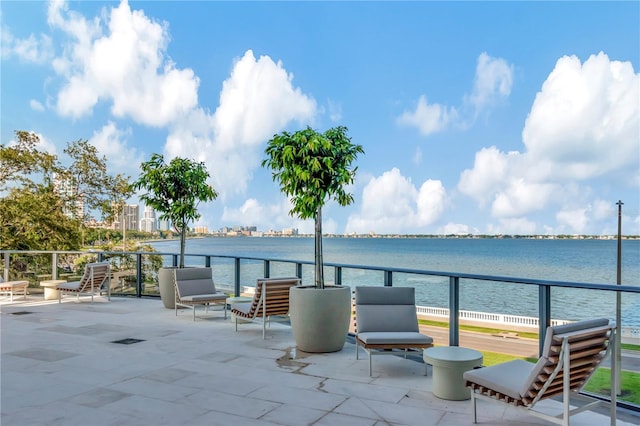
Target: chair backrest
386,309
588,343
95,275
193,281
272,294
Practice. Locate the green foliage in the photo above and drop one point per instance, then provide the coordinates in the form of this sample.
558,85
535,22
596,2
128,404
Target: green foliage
33,215
92,185
20,161
313,168
174,190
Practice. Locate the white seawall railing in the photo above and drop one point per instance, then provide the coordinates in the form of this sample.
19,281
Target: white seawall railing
498,319
629,334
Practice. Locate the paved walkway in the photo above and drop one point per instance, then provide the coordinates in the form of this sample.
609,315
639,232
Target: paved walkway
60,366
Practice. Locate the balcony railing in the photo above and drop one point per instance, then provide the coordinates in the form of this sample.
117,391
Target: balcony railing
135,278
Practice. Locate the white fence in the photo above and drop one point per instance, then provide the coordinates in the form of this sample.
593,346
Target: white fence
487,317
629,334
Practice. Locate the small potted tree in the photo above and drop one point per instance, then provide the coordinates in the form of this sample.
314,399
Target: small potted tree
312,168
174,190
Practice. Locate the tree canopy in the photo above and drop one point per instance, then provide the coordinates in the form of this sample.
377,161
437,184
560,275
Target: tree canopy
313,168
175,190
36,216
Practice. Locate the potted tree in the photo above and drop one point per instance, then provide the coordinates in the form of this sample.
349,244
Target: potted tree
312,168
174,190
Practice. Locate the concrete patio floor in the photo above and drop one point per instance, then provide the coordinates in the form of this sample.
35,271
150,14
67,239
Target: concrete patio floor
60,366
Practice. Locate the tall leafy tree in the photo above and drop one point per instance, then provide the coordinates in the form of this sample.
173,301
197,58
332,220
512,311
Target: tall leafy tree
32,212
313,168
175,190
92,185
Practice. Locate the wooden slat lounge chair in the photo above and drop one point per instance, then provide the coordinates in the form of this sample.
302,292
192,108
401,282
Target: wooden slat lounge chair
195,286
13,287
270,299
571,353
95,281
386,319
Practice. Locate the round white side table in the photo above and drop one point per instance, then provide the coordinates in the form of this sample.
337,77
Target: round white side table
51,288
449,364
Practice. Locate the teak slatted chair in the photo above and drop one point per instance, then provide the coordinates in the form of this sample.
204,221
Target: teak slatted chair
271,298
571,353
386,319
96,280
12,287
195,286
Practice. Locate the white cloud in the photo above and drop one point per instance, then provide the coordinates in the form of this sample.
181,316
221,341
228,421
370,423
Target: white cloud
127,66
428,118
111,142
392,204
493,81
487,176
36,105
417,157
583,124
257,100
35,49
585,121
513,226
454,229
520,197
575,220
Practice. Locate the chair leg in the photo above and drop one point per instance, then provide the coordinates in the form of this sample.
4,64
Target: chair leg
194,312
473,406
370,371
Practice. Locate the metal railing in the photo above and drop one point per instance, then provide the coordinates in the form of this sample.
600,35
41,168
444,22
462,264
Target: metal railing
387,276
137,264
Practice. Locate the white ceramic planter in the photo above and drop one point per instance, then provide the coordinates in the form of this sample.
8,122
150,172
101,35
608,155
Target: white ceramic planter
320,318
166,287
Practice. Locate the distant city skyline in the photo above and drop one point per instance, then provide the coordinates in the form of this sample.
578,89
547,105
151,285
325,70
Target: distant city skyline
475,117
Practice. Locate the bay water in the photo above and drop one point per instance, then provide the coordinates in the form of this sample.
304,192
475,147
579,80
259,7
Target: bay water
573,260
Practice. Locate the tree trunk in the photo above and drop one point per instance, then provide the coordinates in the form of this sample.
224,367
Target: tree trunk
183,238
319,267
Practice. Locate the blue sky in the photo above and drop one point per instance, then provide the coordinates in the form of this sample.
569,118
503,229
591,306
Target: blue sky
475,117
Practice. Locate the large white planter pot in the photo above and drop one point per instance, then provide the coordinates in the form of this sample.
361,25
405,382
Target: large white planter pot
166,287
320,318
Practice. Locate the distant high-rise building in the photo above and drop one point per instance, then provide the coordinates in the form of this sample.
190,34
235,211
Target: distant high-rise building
163,225
128,218
148,222
63,186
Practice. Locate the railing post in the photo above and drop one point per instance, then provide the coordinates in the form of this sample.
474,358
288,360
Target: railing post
388,278
6,266
236,282
267,268
337,275
54,266
139,275
454,311
544,312
299,270
174,260
207,262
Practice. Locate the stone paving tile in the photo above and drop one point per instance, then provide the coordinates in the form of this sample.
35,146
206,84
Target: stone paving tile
59,367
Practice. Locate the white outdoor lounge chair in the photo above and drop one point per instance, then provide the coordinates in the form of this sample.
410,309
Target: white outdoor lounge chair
95,281
195,286
571,353
386,319
270,299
